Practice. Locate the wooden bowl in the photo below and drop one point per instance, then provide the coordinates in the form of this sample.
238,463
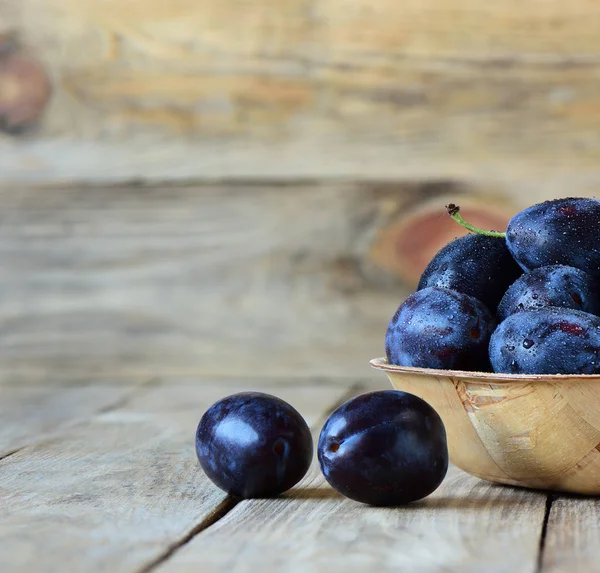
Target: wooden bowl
535,431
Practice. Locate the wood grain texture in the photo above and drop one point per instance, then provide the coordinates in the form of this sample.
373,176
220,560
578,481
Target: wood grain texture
572,536
32,413
116,492
215,280
226,88
467,525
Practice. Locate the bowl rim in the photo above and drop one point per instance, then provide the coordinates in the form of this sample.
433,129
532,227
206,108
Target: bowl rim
496,377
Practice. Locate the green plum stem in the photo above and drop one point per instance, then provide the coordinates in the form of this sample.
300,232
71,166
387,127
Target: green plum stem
454,212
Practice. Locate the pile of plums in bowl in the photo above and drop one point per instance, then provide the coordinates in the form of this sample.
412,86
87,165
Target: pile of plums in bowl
522,302
502,339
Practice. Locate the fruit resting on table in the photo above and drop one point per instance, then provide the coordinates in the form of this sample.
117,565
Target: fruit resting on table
253,444
522,302
384,448
380,448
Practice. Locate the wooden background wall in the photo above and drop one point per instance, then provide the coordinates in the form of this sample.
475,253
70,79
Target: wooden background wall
236,187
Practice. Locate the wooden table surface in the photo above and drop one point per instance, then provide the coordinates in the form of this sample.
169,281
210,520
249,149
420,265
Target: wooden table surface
101,475
180,179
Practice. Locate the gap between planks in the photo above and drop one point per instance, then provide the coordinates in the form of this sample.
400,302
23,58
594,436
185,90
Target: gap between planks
226,506
468,525
127,477
230,502
220,511
544,532
11,453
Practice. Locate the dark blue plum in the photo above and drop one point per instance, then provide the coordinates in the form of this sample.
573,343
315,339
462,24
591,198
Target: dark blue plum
476,265
384,448
557,232
548,341
440,328
253,445
555,285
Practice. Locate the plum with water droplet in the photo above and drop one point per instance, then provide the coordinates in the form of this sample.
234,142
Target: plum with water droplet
557,232
547,341
554,285
476,265
440,328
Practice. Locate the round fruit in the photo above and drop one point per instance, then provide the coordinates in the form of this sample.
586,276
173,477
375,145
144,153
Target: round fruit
440,328
476,265
384,448
561,231
253,445
548,341
554,285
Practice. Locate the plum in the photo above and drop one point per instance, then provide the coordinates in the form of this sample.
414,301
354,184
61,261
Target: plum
253,444
547,341
557,232
384,448
554,285
440,328
477,265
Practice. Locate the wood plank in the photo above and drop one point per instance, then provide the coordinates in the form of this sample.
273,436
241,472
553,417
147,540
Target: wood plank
226,88
216,280
31,414
116,492
467,525
573,535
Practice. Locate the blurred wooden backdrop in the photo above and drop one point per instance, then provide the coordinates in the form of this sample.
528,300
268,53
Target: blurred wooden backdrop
251,187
